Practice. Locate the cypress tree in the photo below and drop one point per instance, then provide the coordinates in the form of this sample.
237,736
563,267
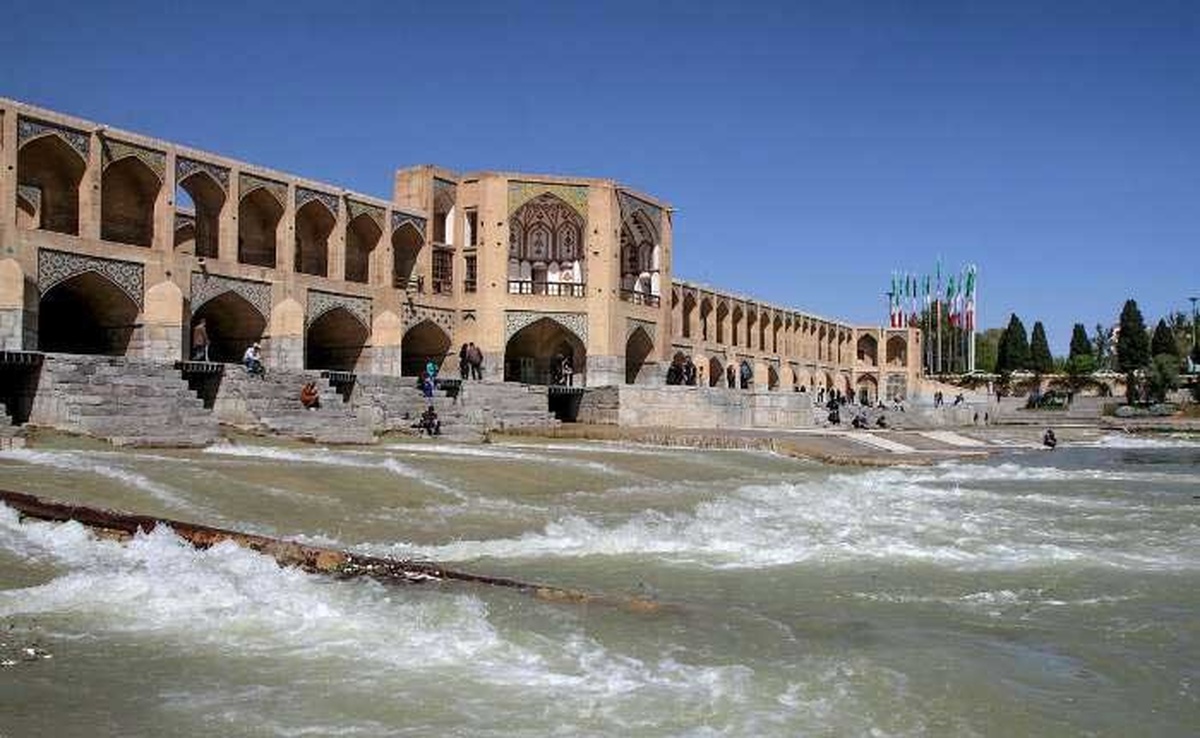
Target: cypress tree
1080,345
1015,345
1164,341
1133,347
1040,360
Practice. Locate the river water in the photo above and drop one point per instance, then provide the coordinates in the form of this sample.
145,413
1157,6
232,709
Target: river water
1038,593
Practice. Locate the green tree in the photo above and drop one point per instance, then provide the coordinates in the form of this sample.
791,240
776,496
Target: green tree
1133,347
1103,341
1013,354
1162,377
1080,345
987,346
1040,359
1164,341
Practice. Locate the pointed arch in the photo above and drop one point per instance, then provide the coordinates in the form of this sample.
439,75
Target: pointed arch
533,354
54,169
314,223
259,213
208,200
716,371
233,323
127,193
868,350
86,314
335,341
638,348
362,236
542,231
407,243
897,351
422,343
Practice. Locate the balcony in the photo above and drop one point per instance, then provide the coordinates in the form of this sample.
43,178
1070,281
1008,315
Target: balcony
550,289
640,298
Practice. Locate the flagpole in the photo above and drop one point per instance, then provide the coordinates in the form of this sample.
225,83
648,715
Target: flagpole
974,312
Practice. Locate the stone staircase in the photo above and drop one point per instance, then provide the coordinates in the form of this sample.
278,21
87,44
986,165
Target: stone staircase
272,405
128,402
395,404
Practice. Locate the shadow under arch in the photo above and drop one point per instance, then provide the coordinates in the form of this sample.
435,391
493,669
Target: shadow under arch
424,342
637,349
335,341
232,324
86,314
533,353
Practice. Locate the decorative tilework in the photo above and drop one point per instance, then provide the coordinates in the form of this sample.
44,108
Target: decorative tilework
320,303
304,196
184,220
30,194
248,183
399,219
56,267
443,319
515,320
520,193
630,205
355,209
205,287
114,151
632,324
185,168
445,194
29,129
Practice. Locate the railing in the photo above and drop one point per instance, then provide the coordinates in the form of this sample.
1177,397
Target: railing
551,289
640,298
411,284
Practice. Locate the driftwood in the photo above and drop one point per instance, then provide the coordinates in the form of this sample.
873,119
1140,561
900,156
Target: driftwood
314,559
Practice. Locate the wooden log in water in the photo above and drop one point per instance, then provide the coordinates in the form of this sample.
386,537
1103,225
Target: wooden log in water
315,559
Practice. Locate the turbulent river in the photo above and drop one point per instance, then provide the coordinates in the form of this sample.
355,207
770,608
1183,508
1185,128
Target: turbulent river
1037,593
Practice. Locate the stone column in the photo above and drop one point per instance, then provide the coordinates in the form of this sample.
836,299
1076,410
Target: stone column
387,332
285,346
12,305
285,238
163,322
8,179
337,243
163,238
89,190
227,222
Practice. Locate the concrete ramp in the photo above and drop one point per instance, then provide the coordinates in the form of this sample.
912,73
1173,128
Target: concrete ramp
951,438
879,442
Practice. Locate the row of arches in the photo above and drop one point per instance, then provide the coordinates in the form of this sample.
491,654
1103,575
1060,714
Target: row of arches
50,174
896,351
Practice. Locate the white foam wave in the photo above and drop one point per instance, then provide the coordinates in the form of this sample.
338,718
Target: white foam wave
848,518
1134,442
497,452
230,600
93,463
326,457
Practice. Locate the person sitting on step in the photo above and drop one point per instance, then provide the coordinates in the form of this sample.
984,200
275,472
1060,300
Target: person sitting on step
252,360
310,398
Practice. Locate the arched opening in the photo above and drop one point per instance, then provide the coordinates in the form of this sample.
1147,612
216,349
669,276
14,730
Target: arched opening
407,242
534,353
735,325
51,167
722,317
314,223
335,341
868,390
821,355
543,233
751,325
716,372
232,324
897,387
772,377
185,233
207,199
829,383
897,351
28,202
637,349
423,343
639,258
258,218
362,235
689,310
868,350
706,308
86,314
776,327
127,194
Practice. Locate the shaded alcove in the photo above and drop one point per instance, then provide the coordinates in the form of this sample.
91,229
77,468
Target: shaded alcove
86,314
335,341
534,353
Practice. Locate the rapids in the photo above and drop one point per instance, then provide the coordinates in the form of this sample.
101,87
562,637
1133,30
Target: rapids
1039,593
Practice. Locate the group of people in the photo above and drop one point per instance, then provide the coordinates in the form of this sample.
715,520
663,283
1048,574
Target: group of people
683,371
470,362
939,399
739,377
564,371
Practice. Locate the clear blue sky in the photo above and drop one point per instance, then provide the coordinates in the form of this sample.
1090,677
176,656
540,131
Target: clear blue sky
810,148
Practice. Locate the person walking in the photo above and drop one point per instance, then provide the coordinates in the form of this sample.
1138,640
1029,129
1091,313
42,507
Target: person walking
475,360
464,363
200,341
